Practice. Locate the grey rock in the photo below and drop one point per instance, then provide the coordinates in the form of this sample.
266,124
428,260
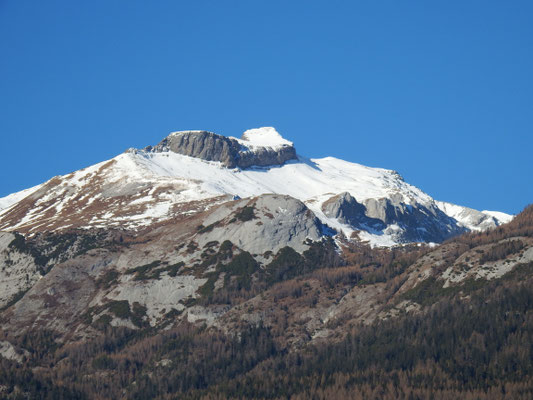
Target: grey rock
413,223
278,221
264,157
73,284
18,273
202,144
468,217
348,211
418,223
212,147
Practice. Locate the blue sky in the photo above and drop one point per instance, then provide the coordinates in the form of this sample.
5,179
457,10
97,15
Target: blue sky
440,91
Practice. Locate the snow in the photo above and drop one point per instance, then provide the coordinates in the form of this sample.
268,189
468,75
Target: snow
377,240
263,137
503,218
473,219
310,180
8,201
177,133
450,209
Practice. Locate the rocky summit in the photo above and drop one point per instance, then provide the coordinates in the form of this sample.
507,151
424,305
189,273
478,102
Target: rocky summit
257,147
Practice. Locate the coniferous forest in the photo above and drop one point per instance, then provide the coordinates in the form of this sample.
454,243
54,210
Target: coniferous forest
474,342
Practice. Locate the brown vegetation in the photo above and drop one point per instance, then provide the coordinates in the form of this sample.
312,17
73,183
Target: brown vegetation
472,341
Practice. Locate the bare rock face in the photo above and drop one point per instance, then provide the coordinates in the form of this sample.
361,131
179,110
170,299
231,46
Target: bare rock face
263,157
418,223
19,272
268,222
348,211
162,272
232,153
202,144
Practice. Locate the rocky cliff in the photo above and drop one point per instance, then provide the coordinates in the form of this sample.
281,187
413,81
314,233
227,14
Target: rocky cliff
232,153
393,216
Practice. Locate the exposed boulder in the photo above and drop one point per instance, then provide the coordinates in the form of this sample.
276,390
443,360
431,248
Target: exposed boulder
388,210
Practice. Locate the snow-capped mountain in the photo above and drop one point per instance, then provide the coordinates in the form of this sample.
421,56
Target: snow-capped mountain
192,171
207,234
472,219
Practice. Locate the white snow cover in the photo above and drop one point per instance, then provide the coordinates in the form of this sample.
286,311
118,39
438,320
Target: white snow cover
500,216
263,137
8,201
312,181
473,219
305,179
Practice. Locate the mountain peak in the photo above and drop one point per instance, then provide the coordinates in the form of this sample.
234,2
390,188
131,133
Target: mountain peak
264,137
261,147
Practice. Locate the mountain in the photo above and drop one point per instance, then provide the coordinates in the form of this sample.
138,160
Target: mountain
201,215
191,171
449,321
472,219
210,267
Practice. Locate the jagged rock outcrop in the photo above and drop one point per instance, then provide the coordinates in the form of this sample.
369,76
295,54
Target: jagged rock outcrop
230,152
348,211
473,219
202,144
408,223
420,223
264,156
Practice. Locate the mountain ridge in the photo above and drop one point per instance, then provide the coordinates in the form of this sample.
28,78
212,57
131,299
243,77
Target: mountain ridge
142,187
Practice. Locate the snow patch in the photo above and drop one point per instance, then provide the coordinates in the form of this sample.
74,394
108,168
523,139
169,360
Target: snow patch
472,219
263,137
503,218
8,201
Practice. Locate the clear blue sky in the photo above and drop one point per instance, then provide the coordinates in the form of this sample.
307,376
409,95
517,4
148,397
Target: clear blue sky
441,91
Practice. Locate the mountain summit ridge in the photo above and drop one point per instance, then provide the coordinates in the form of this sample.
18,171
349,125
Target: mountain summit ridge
189,172
260,147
